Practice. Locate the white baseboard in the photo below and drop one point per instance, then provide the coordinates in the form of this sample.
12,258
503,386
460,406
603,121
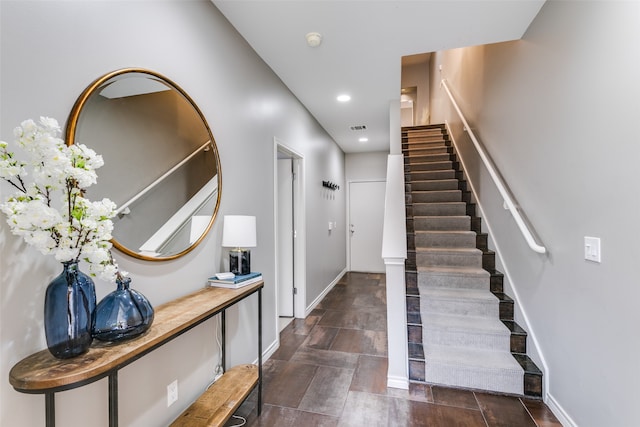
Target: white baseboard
398,382
266,354
324,293
559,412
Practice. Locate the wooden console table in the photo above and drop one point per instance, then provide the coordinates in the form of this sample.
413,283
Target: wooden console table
41,373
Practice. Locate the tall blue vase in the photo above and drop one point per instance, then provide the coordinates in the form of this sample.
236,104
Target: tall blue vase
123,314
69,308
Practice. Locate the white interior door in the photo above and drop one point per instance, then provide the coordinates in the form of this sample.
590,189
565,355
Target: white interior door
366,216
285,252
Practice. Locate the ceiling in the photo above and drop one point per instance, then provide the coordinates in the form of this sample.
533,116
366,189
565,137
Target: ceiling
363,42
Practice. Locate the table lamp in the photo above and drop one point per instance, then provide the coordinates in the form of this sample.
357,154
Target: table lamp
239,233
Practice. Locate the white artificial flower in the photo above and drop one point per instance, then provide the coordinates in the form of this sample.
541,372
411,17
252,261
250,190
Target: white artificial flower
75,228
63,254
50,124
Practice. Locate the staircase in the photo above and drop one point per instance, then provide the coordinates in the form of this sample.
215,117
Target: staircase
460,322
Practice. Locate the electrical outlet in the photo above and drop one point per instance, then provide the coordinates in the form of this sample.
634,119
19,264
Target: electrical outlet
172,393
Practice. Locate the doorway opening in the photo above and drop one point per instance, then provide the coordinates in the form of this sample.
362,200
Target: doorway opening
289,233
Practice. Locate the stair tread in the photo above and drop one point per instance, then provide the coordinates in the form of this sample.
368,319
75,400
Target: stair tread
440,216
449,180
458,294
526,363
444,203
452,250
483,358
455,271
436,191
452,322
457,232
514,327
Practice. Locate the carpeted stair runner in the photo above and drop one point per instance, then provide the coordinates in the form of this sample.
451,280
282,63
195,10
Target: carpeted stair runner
461,327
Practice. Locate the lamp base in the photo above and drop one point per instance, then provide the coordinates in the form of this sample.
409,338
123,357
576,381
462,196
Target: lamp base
240,261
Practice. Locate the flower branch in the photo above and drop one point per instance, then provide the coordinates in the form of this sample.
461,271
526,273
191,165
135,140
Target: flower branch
70,227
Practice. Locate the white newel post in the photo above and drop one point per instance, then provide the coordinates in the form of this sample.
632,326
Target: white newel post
394,253
398,371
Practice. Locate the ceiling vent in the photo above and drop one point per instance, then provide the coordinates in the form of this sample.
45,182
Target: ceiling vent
358,127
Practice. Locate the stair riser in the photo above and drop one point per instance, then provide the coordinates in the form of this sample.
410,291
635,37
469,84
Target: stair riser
427,175
439,209
509,382
436,196
425,158
414,333
459,307
420,151
474,339
427,148
435,185
424,133
451,281
448,260
430,166
416,370
441,223
412,141
444,240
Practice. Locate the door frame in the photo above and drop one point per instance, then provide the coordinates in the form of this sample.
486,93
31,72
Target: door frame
348,219
299,224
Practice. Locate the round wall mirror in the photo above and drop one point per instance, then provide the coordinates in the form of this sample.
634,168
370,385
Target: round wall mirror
161,163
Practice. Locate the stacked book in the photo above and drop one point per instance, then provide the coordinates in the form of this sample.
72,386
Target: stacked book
234,281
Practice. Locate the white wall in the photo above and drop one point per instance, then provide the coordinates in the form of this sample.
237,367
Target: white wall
557,113
366,166
50,51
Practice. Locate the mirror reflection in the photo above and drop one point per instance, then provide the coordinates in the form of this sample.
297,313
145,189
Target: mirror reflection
162,167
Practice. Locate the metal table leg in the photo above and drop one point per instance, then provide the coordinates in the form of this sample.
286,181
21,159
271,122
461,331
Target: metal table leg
50,409
259,351
223,326
113,399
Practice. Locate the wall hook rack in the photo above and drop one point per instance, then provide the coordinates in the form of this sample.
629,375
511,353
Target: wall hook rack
330,185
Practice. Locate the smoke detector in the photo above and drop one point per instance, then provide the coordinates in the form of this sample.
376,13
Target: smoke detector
313,39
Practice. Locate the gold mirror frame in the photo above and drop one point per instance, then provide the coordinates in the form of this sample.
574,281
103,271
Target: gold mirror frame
72,128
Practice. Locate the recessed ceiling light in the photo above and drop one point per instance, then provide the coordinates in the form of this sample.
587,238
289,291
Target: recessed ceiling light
343,98
313,39
363,139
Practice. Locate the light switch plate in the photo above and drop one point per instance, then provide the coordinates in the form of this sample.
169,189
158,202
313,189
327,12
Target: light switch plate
592,249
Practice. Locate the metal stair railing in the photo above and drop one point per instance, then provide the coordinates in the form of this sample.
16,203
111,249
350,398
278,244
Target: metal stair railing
509,204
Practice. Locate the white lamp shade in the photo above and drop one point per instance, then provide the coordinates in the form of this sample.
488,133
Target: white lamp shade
239,231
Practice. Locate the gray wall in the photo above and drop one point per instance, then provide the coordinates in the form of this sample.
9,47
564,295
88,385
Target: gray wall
50,51
418,75
557,113
366,166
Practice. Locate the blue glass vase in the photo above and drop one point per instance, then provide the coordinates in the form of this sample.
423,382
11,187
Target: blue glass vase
123,314
69,307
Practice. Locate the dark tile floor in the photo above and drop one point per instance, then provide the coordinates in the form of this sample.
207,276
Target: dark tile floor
330,370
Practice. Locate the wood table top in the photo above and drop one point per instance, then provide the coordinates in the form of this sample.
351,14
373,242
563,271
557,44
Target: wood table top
41,372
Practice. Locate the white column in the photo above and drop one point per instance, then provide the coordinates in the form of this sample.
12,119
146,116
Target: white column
398,371
394,253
